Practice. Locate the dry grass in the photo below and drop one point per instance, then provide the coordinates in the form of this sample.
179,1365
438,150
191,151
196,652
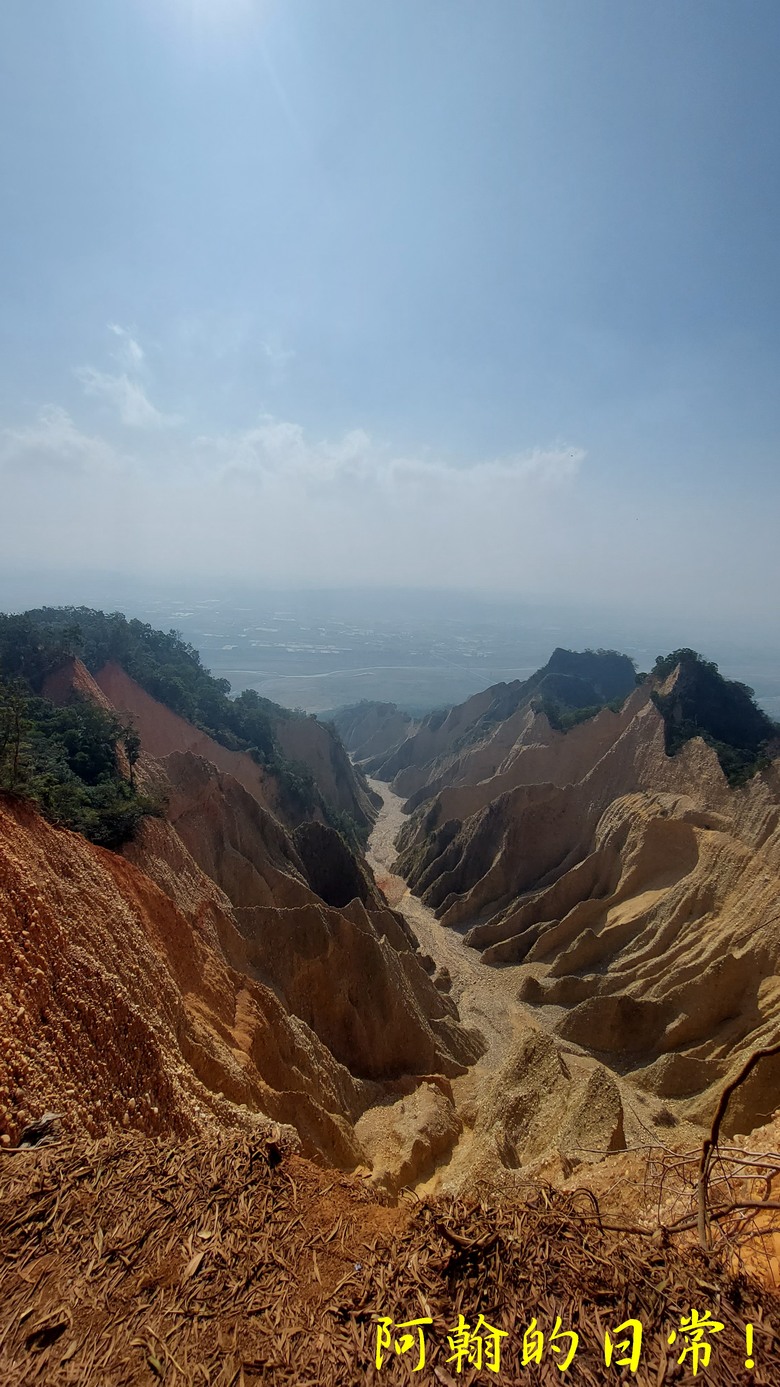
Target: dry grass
131,1261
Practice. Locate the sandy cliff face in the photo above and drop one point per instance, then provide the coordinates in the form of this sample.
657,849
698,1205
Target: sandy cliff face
405,766
627,904
353,974
308,741
121,1009
145,998
540,810
237,842
470,741
163,731
372,730
224,969
520,751
639,892
72,681
303,740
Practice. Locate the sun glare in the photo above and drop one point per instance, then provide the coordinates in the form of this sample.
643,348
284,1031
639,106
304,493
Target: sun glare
208,16
213,11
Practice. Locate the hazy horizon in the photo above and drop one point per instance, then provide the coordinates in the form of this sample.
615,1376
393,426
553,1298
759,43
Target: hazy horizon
422,295
321,648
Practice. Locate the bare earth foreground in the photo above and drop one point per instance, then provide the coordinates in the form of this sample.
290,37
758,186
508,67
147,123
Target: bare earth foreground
229,1259
132,1261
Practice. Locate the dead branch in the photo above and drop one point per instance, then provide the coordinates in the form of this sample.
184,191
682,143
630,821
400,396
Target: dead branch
711,1142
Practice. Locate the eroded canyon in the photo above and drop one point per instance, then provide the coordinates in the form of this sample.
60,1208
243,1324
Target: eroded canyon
561,943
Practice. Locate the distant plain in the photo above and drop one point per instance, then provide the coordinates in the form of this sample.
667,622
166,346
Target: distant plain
319,650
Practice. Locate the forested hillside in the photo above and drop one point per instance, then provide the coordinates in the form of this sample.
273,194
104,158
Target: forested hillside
65,758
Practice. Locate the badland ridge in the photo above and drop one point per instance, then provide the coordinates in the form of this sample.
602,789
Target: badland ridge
606,843
561,943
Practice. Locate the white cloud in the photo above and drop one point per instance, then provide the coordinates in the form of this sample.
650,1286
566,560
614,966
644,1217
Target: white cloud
275,502
55,442
540,468
130,353
342,509
277,448
127,396
125,390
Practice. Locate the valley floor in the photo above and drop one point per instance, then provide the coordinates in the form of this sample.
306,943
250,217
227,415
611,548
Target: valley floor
486,997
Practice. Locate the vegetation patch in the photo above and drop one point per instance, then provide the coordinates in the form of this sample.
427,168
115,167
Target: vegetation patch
563,718
37,643
723,712
67,762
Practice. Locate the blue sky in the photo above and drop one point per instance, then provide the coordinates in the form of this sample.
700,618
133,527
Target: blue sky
430,291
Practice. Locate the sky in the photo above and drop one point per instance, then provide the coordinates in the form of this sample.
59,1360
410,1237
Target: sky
430,293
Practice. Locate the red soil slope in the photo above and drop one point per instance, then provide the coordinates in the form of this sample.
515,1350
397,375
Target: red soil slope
73,680
117,1009
163,731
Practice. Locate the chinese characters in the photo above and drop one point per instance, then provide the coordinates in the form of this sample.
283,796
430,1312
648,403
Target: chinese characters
480,1345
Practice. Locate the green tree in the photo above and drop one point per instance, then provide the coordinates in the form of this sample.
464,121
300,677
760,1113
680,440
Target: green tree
15,728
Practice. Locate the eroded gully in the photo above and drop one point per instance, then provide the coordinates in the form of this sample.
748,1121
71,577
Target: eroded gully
486,997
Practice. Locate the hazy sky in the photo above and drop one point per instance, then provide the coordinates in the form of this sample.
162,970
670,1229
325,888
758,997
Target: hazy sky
469,292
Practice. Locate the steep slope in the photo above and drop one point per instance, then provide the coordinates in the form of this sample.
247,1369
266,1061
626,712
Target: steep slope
361,987
435,753
632,893
120,1010
516,752
637,889
369,729
405,766
250,970
292,763
307,741
303,740
71,681
71,684
696,701
353,974
144,998
163,731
